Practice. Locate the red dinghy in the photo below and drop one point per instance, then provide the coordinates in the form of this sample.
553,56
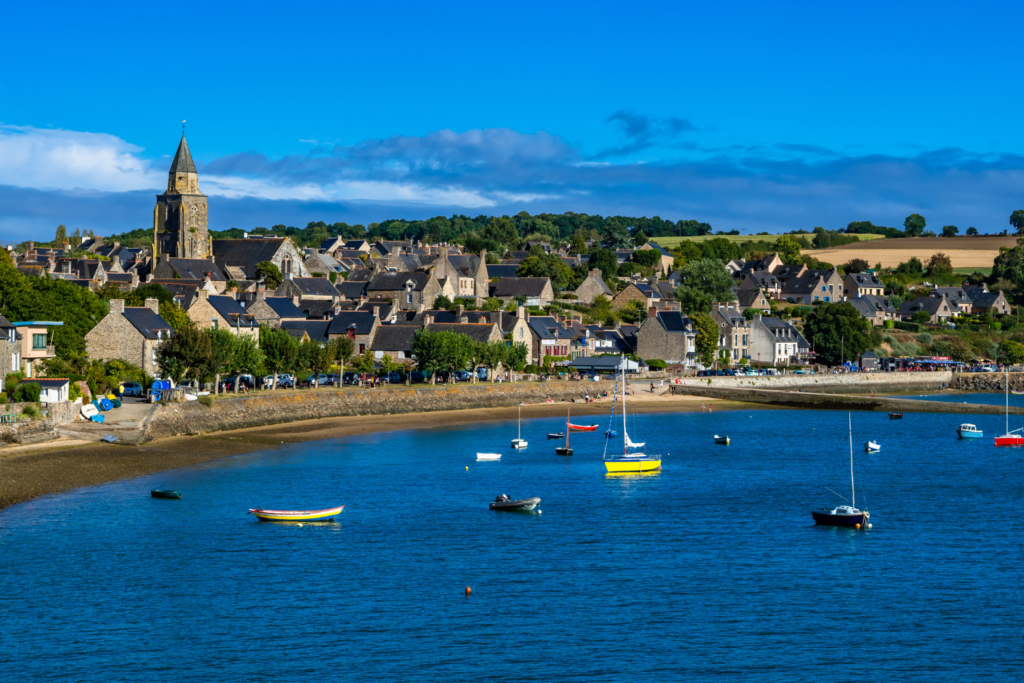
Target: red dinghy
583,428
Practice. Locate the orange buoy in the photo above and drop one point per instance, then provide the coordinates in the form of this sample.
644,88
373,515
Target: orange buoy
469,591
858,526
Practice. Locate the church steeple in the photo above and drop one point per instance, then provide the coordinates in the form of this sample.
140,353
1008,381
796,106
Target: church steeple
183,177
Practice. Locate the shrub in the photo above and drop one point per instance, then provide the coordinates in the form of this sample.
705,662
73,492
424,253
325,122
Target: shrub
656,364
924,338
3,397
206,400
26,392
30,411
531,369
909,327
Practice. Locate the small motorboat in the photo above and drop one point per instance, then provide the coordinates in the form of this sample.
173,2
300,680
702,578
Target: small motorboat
724,440
969,431
610,433
583,428
296,515
556,435
488,456
165,493
896,416
89,410
872,447
563,450
503,502
844,515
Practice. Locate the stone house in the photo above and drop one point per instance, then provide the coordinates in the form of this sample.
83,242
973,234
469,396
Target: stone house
222,313
305,289
640,292
938,310
359,326
753,298
407,290
990,302
667,336
395,341
271,311
957,296
763,280
777,342
548,337
664,264
861,284
10,349
317,262
592,287
246,253
733,332
877,309
131,334
170,268
813,285
465,275
537,291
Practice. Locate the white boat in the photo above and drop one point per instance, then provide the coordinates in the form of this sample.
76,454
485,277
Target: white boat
872,447
724,440
89,410
488,456
519,441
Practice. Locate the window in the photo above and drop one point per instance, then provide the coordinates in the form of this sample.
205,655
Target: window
214,321
362,348
39,342
408,298
520,333
286,265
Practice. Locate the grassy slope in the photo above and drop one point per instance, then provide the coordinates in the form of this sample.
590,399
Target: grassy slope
669,242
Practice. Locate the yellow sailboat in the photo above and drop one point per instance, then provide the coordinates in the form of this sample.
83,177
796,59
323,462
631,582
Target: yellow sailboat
634,458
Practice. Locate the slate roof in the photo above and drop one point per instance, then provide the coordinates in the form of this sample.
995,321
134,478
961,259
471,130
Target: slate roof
390,282
55,382
317,308
146,321
502,270
546,327
628,334
954,293
359,275
283,307
865,280
520,286
316,329
195,269
394,338
232,311
870,305
479,332
350,290
383,307
361,321
783,330
986,299
674,321
314,286
929,304
665,289
245,254
806,284
182,162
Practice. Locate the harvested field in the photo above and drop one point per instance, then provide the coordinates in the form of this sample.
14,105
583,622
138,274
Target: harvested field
965,252
669,242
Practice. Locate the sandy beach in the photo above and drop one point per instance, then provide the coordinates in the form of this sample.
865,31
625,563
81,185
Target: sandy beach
28,472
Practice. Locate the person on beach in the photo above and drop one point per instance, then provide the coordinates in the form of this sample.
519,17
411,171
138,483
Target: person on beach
709,409
702,407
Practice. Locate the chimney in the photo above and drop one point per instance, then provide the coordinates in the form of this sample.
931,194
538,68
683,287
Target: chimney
204,295
295,299
464,319
458,311
427,319
261,295
287,276
652,312
117,305
376,311
420,308
153,305
483,256
522,313
29,248
596,272
116,244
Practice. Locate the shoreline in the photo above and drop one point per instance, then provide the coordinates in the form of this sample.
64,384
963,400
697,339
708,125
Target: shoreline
26,474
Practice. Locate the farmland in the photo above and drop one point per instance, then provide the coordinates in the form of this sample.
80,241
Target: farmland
669,242
975,252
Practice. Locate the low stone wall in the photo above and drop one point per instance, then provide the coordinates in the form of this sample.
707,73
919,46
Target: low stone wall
854,382
17,432
994,382
274,408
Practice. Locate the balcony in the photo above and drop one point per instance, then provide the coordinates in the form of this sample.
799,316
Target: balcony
41,352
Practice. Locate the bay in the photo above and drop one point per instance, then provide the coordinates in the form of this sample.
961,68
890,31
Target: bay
709,570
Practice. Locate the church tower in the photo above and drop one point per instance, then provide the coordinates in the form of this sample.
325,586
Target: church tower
180,227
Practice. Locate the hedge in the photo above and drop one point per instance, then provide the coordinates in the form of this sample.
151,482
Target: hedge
909,327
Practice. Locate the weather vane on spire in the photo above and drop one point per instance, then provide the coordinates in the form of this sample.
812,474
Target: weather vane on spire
183,128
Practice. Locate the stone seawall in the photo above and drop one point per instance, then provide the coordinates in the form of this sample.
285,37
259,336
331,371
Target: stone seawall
855,382
274,408
993,382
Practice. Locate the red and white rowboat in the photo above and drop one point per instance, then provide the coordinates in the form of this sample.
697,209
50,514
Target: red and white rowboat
583,428
296,515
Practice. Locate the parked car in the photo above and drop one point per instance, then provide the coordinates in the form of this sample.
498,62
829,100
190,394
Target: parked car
322,380
463,376
247,381
333,380
284,381
393,378
417,377
132,389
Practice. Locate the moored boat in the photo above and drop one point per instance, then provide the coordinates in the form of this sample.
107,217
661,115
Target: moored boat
896,416
724,440
632,460
969,431
503,502
583,428
296,515
556,435
1011,437
519,442
488,456
844,515
872,447
165,493
565,450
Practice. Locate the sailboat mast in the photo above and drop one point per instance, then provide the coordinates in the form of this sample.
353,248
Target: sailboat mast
853,492
1007,374
520,433
567,411
622,358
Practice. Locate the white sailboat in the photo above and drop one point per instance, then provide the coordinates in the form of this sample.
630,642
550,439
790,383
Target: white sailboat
1010,438
634,456
519,441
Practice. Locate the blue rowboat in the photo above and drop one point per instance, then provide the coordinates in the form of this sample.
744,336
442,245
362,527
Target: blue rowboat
969,431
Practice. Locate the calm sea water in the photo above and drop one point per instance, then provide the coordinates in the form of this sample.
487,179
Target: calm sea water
710,570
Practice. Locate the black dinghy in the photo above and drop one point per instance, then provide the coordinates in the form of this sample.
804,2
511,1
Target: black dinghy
503,502
556,435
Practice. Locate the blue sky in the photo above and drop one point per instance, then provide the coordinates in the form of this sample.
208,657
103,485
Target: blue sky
747,116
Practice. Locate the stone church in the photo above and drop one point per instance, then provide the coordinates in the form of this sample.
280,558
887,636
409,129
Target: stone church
180,218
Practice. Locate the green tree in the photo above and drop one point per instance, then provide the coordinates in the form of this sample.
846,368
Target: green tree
707,338
1009,265
427,349
702,283
914,225
442,302
1011,352
176,317
788,249
279,351
222,350
186,352
912,267
921,317
342,349
515,359
1017,221
972,231
61,237
270,274
857,265
316,357
960,350
578,245
247,358
547,265
492,355
640,238
646,258
940,264
837,331
606,262
950,230
503,231
615,235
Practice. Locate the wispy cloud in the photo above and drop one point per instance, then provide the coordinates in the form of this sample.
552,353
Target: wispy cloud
102,182
642,132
